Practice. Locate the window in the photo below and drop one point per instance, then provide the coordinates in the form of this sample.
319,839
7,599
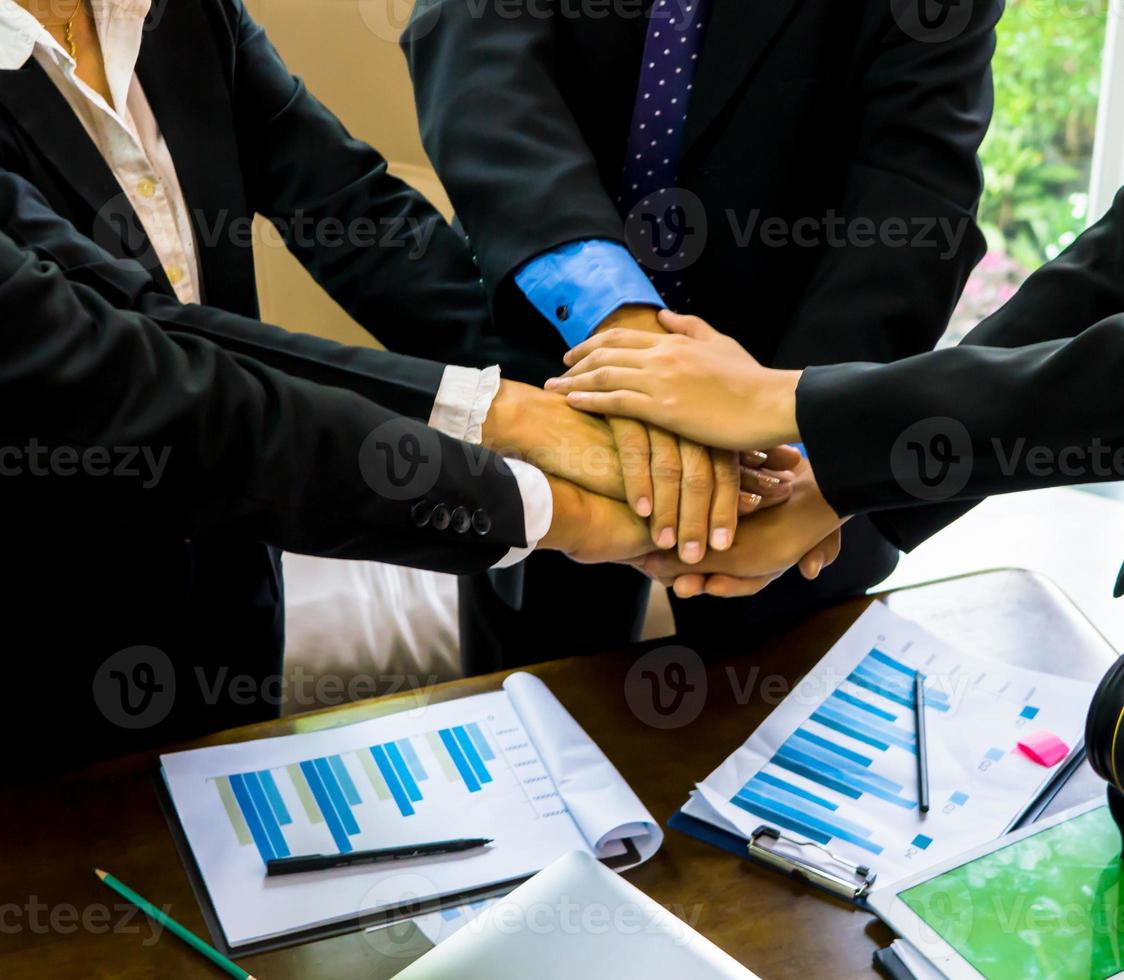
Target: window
1038,156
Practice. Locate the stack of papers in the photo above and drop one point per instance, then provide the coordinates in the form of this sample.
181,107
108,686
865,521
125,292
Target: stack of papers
836,762
511,765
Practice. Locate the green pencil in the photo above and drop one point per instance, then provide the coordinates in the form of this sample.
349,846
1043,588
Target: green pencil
174,927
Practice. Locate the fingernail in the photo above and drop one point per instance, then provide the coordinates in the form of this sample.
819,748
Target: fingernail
692,552
577,397
749,501
757,455
568,358
550,383
721,539
666,538
817,567
644,507
769,481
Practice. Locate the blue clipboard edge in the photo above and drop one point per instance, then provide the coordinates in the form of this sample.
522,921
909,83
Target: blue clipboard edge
737,845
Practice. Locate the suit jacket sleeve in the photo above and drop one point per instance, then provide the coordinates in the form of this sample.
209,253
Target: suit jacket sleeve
922,107
1030,399
249,450
371,241
487,101
400,383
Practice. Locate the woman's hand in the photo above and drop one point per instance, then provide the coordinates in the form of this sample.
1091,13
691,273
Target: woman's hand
692,380
803,532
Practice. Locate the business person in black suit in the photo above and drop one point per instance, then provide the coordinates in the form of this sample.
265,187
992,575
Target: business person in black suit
211,129
819,160
119,436
164,166
522,420
1030,398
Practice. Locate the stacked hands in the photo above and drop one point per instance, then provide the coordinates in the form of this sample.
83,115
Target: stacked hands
664,444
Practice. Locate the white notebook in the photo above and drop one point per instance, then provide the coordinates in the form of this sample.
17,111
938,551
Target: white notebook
574,921
512,765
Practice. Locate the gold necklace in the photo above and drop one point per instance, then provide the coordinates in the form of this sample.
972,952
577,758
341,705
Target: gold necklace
68,30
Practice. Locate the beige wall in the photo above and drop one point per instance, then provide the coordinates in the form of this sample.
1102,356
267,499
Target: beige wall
347,52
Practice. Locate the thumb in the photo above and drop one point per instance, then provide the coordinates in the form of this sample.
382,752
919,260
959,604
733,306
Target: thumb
692,326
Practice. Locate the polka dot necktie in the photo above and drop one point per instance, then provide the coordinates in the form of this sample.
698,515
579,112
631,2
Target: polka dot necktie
655,220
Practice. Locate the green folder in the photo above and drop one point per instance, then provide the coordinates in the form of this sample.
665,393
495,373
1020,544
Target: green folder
1047,907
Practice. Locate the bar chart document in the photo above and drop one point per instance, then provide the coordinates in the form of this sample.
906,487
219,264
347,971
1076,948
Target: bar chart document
836,763
511,765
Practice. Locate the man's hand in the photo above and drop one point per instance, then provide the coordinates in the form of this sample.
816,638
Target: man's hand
804,531
689,492
539,427
590,528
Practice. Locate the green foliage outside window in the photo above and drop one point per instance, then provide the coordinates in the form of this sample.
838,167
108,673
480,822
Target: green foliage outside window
1036,155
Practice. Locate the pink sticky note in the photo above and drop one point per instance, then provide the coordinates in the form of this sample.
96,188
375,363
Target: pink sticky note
1045,748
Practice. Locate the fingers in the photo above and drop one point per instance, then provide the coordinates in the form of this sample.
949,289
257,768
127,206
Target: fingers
608,357
636,463
723,586
604,378
783,458
689,586
692,326
667,473
822,555
729,587
779,458
768,483
625,404
696,491
616,337
724,506
747,503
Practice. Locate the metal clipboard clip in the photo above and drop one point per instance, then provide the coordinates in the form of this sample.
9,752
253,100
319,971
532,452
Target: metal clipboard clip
786,854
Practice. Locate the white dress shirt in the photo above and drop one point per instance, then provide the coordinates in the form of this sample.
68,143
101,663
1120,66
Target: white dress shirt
128,138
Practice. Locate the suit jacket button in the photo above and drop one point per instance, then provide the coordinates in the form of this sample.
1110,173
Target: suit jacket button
421,512
481,522
563,313
462,520
441,517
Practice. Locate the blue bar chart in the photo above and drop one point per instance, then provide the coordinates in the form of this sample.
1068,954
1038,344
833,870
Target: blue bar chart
341,793
836,763
834,758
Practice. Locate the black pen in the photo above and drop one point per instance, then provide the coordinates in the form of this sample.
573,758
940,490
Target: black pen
922,746
326,862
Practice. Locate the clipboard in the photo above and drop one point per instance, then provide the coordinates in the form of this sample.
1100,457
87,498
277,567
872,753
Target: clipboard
820,869
1015,608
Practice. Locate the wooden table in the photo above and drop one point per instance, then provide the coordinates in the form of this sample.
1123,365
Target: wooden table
57,921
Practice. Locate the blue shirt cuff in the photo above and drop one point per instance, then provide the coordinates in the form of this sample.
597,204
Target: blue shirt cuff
577,285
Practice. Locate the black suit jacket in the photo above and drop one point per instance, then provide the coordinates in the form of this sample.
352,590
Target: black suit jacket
107,552
248,138
1031,398
802,111
404,384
